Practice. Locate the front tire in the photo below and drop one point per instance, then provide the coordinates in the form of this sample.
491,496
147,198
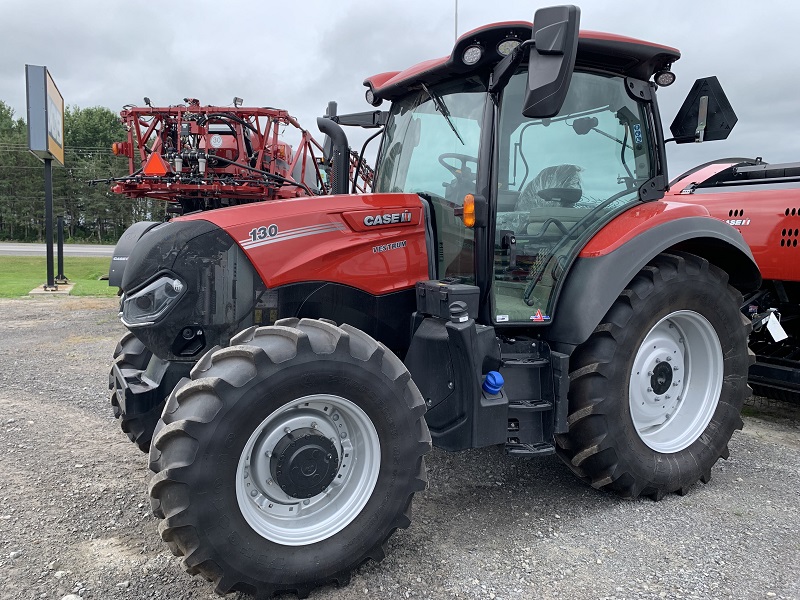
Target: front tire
657,389
131,356
289,458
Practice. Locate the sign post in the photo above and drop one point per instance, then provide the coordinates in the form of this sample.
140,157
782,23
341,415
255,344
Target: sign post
46,141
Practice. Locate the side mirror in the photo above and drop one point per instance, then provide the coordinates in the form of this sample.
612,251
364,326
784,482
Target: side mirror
555,36
705,116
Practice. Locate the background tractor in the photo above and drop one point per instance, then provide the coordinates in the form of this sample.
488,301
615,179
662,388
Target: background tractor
761,201
515,278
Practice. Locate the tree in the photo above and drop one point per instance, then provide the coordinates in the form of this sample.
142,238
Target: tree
91,213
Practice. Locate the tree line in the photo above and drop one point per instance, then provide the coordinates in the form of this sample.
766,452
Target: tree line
91,213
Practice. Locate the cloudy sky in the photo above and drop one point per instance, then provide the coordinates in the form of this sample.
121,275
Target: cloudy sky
300,54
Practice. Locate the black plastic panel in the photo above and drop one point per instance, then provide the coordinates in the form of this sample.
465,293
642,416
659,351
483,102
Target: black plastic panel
222,287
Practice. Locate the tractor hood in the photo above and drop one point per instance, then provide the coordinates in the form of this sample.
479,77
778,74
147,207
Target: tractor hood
196,281
373,242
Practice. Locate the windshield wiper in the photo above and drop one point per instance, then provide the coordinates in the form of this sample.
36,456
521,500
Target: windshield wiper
439,104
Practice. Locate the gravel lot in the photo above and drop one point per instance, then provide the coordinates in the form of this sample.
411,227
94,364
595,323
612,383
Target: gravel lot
75,519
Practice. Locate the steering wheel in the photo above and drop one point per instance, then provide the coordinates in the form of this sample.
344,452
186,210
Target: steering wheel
457,172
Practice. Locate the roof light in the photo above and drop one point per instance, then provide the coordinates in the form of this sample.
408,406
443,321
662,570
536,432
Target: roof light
372,98
472,55
507,46
664,78
237,102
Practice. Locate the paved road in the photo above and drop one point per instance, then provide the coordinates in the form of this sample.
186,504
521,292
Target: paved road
15,249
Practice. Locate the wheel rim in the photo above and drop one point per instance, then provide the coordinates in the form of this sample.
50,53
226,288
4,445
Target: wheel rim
308,470
676,381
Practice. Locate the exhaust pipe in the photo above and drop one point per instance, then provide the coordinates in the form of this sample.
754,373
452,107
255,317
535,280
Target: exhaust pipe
339,157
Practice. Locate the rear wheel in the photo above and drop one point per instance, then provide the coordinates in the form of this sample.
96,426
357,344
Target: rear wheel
289,458
656,391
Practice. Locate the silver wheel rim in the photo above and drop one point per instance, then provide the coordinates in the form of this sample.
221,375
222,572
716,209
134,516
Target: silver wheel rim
292,521
676,381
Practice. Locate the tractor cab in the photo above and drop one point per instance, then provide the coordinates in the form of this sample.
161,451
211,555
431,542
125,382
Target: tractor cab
524,143
555,177
545,145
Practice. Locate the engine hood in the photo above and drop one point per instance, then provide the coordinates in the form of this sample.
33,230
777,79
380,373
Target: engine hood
373,242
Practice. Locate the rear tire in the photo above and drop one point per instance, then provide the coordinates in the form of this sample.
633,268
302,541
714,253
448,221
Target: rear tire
289,458
132,358
657,389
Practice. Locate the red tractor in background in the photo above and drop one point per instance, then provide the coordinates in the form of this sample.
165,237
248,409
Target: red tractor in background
761,201
517,277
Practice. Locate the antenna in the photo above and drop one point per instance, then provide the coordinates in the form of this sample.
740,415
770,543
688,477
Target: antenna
456,21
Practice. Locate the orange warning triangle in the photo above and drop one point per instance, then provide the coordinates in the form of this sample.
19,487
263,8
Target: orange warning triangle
155,166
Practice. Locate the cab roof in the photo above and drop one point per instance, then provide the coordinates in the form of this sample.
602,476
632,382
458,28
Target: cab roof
626,56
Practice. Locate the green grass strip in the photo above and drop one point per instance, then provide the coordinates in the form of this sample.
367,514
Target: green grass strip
20,274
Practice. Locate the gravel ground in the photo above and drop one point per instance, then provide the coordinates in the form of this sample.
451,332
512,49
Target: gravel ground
75,519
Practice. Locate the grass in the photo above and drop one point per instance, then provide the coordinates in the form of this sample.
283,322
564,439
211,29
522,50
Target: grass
20,274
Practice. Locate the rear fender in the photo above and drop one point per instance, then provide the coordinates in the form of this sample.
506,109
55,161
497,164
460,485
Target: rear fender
603,270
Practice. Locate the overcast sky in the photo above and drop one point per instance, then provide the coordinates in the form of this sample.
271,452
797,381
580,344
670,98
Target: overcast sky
300,54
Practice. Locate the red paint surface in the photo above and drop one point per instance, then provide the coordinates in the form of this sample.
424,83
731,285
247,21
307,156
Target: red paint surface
611,37
316,241
760,216
636,221
698,177
386,80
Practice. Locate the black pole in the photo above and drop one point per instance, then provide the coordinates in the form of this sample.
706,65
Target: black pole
61,278
48,221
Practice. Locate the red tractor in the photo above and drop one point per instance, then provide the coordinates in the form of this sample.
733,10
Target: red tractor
761,201
515,278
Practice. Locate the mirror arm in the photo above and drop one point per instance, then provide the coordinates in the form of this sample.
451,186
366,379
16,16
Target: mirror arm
503,71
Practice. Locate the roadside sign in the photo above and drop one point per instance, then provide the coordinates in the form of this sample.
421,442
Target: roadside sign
45,114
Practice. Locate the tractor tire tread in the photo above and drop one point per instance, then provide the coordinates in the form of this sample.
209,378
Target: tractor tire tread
592,456
197,402
131,357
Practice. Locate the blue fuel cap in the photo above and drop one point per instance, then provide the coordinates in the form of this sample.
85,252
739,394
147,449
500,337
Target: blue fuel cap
493,382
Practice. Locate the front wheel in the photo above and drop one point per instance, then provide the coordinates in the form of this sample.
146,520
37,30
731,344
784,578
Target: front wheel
131,358
657,389
289,458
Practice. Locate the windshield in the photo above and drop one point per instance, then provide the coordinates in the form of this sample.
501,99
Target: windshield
556,179
430,147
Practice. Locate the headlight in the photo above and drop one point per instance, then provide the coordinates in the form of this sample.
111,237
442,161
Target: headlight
472,55
507,46
151,302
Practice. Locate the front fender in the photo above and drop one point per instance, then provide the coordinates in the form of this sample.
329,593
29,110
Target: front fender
618,252
123,249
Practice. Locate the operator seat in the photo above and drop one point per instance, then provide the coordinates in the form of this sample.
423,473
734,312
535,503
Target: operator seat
552,194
